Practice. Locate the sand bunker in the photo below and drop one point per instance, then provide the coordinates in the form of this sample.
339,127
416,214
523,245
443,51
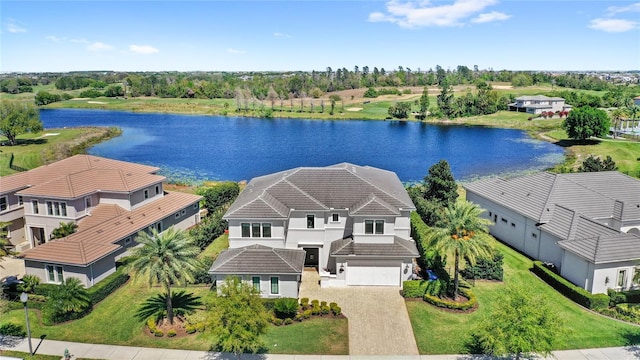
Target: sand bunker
96,102
353,109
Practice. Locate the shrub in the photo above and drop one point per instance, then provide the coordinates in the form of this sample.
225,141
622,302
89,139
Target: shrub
151,324
617,297
171,333
158,333
488,269
566,288
269,304
277,321
107,286
288,321
325,310
200,327
414,288
286,307
332,305
370,93
189,329
29,283
304,302
323,304
472,301
12,329
337,310
45,289
315,302
315,310
202,275
631,310
307,314
298,317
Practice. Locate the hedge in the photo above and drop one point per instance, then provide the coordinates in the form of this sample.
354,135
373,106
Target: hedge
414,288
631,296
488,269
108,285
443,303
566,288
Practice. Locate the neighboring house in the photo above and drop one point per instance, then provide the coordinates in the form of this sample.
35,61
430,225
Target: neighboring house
110,201
350,222
586,224
539,103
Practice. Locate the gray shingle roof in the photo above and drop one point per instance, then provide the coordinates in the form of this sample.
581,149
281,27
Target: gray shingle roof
259,259
605,248
340,186
399,248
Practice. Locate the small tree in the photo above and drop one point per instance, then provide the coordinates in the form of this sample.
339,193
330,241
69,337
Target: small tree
18,118
585,122
4,241
64,230
424,103
156,305
523,324
238,318
440,185
400,110
595,164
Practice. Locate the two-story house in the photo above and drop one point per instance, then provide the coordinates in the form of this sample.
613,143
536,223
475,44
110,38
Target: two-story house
539,103
350,222
109,200
586,224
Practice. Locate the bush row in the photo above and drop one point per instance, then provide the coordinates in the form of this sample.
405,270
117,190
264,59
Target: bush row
108,285
414,288
566,288
151,324
444,303
617,297
11,329
487,269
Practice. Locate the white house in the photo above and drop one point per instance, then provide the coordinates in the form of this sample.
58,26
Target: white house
586,224
350,222
539,103
109,200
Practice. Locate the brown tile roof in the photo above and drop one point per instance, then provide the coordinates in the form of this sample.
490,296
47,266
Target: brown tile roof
100,214
72,165
93,243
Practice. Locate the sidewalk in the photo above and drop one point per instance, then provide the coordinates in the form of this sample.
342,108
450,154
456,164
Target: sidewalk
115,352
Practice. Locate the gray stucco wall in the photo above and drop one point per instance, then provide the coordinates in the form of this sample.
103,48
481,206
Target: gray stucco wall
288,284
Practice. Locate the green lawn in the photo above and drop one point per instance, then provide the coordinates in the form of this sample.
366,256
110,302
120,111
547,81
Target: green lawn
441,332
26,356
219,244
625,153
313,336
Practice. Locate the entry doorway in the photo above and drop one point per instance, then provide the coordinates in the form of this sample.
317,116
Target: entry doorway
38,236
312,256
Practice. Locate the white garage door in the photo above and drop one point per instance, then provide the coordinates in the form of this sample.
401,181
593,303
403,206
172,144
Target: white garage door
379,274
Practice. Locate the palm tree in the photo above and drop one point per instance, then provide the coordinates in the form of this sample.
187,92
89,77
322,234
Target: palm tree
4,242
462,233
64,230
167,258
617,114
71,297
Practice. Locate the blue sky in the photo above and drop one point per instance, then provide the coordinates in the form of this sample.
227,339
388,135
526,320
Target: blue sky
312,35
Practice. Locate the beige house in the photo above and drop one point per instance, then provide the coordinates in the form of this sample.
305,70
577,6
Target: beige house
110,201
539,103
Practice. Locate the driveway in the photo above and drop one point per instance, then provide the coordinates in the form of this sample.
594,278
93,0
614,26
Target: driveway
11,266
378,319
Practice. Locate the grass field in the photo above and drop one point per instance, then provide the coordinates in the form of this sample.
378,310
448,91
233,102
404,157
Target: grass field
441,332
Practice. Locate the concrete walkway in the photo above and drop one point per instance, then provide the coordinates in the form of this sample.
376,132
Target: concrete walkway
378,319
113,352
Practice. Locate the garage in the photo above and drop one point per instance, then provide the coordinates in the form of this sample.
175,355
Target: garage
373,273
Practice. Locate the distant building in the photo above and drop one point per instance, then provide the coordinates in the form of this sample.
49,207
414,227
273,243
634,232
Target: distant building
539,103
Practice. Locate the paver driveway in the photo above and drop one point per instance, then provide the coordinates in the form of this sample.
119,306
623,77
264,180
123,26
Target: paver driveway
378,319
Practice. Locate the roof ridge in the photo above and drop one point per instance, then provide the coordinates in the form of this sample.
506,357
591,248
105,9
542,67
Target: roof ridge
234,254
595,251
549,195
375,186
283,259
345,244
124,180
285,179
574,222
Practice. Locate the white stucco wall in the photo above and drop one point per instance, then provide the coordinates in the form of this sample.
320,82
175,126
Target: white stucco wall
288,284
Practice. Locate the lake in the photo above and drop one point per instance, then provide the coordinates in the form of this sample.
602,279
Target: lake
235,148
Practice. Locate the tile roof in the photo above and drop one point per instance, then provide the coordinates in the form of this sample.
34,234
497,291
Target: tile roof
259,259
71,165
340,186
98,240
605,248
399,248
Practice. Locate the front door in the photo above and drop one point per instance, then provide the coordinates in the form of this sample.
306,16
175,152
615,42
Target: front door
311,258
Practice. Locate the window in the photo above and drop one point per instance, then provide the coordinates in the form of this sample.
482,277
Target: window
146,193
63,209
34,205
3,203
255,230
157,189
335,217
379,226
54,274
622,278
311,219
275,286
87,204
159,227
256,282
368,226
49,208
246,232
636,276
266,230
20,200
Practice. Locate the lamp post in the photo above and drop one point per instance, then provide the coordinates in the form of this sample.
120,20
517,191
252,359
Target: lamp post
24,297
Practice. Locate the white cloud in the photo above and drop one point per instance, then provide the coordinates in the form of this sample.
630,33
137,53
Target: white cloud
54,38
277,34
613,10
99,46
489,17
613,25
143,49
14,27
79,41
416,14
235,51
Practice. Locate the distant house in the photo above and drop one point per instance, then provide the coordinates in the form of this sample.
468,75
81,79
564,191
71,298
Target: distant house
109,200
538,103
636,100
349,222
586,224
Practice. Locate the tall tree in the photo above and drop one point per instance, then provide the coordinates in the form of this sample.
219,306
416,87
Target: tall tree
440,185
166,258
424,103
524,324
585,122
18,118
462,234
445,100
238,317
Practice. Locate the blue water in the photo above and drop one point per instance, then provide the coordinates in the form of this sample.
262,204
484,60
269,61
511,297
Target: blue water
228,148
